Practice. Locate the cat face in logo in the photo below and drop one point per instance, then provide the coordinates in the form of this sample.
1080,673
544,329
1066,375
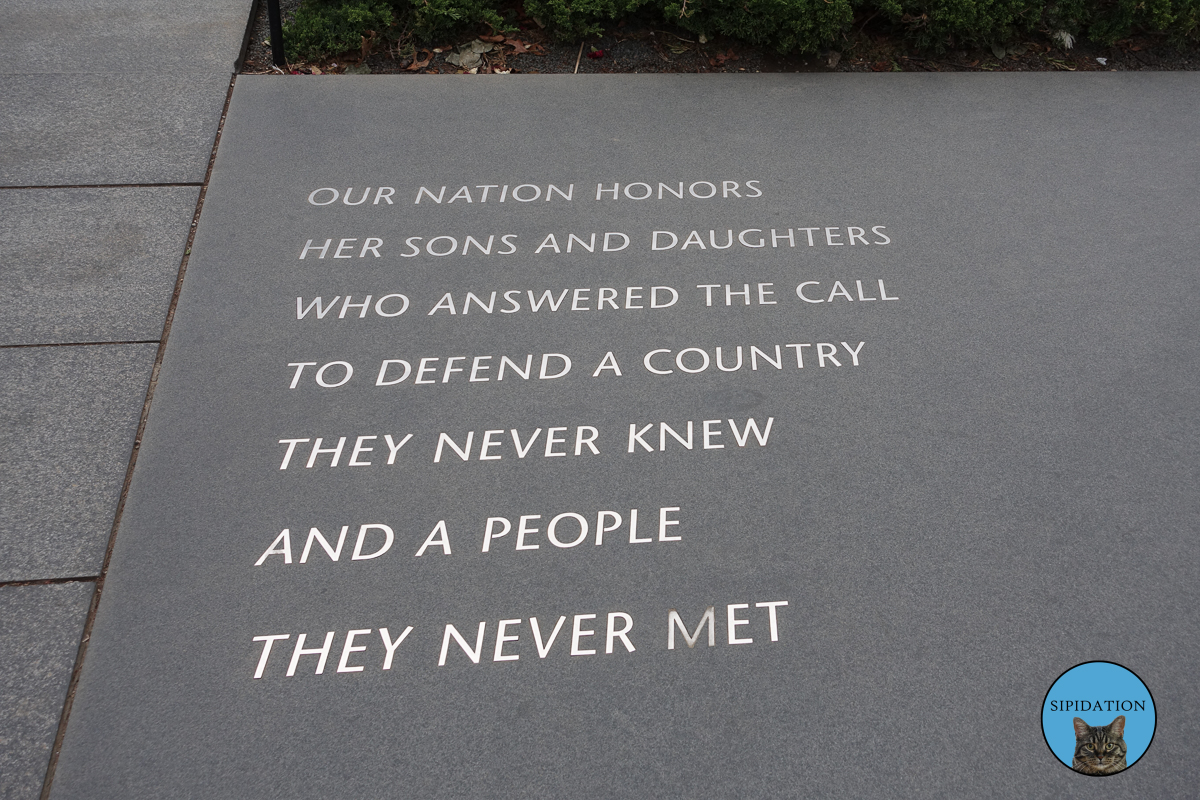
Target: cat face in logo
1099,750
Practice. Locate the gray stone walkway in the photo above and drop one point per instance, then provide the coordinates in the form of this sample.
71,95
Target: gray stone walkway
1006,491
108,117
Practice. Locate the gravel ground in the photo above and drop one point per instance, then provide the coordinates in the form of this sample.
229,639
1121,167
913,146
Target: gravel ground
639,47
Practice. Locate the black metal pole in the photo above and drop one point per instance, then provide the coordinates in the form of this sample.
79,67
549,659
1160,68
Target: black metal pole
276,23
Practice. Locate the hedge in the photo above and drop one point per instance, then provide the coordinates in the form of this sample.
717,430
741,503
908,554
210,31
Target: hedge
322,28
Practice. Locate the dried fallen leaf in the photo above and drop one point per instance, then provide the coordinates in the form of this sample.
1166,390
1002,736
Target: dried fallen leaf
421,63
497,39
524,47
317,71
470,55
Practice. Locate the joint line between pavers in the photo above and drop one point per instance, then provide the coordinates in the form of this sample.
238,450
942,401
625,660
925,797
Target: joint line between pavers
47,581
77,344
137,443
105,186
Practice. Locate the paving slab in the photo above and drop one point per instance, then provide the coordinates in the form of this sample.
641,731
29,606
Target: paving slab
70,415
70,129
896,375
122,36
90,265
40,628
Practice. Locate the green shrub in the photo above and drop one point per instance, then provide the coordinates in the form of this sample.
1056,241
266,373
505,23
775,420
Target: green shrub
937,24
326,27
322,28
1110,20
432,20
575,19
784,25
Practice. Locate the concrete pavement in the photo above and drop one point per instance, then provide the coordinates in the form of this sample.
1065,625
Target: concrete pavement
108,119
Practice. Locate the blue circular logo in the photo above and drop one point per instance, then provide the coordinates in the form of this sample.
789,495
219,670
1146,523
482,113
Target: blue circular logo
1098,718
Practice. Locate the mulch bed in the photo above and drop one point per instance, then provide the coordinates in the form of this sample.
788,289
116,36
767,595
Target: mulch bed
642,47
